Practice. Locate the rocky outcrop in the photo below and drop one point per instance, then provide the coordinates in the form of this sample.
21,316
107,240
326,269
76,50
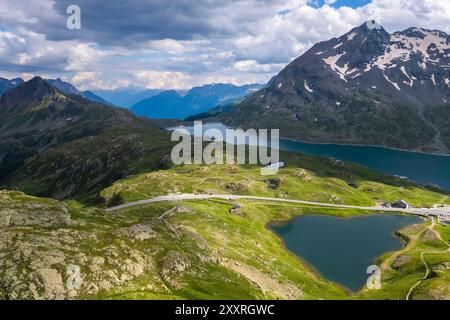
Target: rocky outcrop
139,232
400,261
174,264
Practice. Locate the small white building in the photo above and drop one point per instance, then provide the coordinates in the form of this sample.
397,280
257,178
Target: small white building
272,168
444,217
402,204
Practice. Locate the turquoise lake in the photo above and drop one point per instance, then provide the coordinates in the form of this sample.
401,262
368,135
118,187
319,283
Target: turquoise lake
341,249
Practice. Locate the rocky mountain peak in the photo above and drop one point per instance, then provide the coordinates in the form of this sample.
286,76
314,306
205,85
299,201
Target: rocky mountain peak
64,86
372,25
37,82
369,34
33,90
366,72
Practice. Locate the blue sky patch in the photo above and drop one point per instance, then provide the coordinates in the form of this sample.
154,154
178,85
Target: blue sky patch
341,3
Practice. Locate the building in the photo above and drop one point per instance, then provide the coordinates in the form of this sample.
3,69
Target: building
272,169
400,204
444,217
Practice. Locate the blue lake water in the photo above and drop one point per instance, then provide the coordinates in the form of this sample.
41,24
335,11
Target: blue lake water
419,167
341,249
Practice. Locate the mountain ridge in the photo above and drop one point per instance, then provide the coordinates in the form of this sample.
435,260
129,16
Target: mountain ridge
180,105
64,86
69,88
62,145
364,87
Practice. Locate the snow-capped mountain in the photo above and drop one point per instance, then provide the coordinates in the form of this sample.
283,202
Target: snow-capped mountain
367,86
412,61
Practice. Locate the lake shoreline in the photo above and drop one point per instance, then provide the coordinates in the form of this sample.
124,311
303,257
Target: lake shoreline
423,168
328,143
353,293
366,145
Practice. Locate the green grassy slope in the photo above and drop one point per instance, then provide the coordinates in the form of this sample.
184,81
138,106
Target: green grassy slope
304,178
199,249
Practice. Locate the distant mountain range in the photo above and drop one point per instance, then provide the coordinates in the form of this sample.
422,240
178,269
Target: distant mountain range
157,103
60,145
365,87
6,84
64,86
179,105
127,97
71,89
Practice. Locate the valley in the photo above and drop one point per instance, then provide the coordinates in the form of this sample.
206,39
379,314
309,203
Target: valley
201,249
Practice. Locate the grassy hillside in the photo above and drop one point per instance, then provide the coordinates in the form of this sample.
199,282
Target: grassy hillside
59,145
304,177
199,249
82,167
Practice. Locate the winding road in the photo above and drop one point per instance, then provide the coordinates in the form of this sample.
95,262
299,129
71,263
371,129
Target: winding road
181,197
417,211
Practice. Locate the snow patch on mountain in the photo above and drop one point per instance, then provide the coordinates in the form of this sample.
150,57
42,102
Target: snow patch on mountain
307,87
433,79
343,71
391,54
432,41
403,45
351,36
410,78
395,84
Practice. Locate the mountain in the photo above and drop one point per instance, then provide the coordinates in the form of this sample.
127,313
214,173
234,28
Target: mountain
61,145
179,105
95,98
127,97
210,113
365,87
165,105
68,88
6,84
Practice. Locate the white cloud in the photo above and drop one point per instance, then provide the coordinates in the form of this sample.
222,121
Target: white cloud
253,66
243,41
163,79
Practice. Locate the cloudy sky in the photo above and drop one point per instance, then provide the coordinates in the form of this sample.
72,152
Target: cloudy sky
182,43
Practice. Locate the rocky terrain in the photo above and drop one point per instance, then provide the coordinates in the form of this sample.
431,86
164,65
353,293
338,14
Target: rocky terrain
40,238
201,249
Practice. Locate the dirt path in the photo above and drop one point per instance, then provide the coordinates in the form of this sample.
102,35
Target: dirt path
422,257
